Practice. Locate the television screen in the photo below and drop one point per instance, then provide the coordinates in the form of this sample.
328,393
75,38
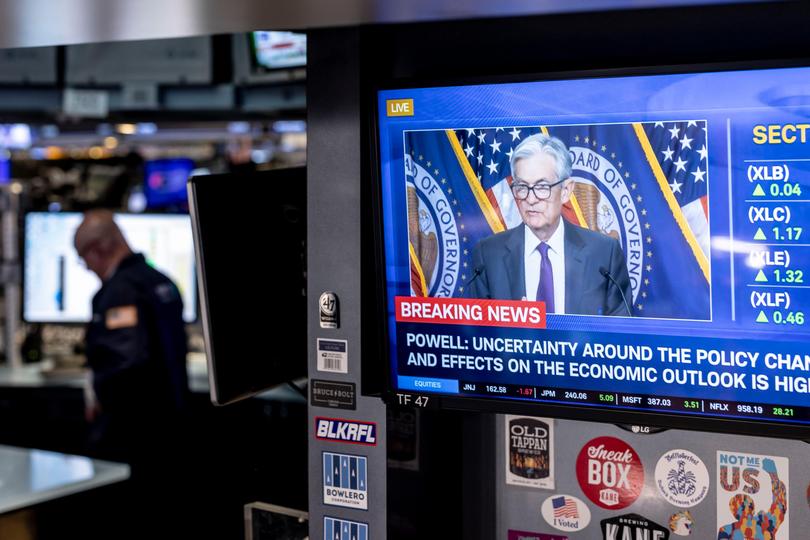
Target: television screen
165,182
58,288
278,50
5,168
241,288
626,243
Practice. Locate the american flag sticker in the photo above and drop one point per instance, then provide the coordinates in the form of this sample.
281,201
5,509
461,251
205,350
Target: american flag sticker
564,507
343,529
566,513
344,480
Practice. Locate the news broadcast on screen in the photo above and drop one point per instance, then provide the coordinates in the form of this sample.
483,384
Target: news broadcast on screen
630,243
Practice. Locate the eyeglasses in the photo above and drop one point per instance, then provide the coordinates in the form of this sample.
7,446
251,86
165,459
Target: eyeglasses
541,190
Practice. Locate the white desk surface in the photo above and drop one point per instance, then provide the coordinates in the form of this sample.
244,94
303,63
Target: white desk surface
33,376
30,477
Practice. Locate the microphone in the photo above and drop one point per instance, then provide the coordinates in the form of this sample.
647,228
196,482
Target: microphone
606,274
477,271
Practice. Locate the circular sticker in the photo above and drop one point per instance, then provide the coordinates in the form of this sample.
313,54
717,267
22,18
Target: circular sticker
682,478
566,513
610,473
681,523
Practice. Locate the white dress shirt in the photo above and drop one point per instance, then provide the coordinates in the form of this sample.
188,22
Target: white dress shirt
531,264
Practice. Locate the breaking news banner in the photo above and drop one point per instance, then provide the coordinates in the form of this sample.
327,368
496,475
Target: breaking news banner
503,348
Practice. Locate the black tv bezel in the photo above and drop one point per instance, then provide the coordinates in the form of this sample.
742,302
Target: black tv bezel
80,322
378,346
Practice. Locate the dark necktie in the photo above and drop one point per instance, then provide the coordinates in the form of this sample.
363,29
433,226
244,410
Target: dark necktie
545,290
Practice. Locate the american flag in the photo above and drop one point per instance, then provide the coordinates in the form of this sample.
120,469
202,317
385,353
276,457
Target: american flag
680,148
565,508
488,151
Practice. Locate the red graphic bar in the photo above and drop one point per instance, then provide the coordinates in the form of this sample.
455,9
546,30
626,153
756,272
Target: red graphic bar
505,313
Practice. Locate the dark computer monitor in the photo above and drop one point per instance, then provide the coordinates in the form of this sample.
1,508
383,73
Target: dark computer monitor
249,233
58,288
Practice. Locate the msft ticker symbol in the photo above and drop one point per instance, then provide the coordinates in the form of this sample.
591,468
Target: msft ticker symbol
399,107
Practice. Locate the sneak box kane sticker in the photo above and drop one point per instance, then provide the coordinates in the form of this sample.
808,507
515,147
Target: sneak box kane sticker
752,496
530,451
610,472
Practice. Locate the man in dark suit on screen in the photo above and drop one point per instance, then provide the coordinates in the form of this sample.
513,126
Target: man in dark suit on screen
572,269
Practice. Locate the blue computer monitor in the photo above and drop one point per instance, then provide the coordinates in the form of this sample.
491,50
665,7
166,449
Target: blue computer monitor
165,182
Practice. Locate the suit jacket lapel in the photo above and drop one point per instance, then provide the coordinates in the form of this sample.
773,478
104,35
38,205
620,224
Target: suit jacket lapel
513,258
574,266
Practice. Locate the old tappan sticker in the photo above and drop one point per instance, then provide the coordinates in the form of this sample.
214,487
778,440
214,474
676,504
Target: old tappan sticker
530,451
121,317
610,473
682,478
525,535
752,497
681,523
632,527
566,513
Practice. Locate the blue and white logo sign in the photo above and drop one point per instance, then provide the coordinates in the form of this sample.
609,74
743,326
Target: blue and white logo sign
344,480
343,529
682,478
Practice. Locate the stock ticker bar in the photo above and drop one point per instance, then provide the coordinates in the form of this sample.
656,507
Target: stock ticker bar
638,402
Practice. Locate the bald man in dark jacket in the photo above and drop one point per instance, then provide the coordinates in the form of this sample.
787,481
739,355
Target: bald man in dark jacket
136,343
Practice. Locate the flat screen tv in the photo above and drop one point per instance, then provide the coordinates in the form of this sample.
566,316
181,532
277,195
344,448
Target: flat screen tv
607,247
58,287
249,233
